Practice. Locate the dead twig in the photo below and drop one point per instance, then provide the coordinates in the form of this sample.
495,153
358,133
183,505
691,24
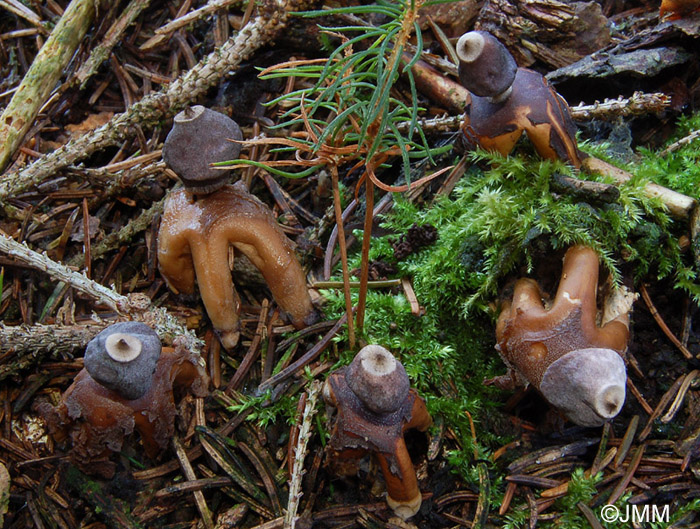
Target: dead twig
22,11
23,346
123,236
163,33
295,493
137,306
100,53
637,105
680,397
638,395
308,357
678,204
188,471
631,469
662,324
680,143
252,353
660,407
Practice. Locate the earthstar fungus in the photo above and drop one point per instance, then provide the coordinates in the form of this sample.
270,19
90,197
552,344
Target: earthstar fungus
100,408
506,102
375,407
577,365
201,222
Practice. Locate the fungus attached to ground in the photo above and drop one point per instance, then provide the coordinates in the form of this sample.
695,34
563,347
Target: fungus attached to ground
375,407
128,383
576,364
203,221
506,101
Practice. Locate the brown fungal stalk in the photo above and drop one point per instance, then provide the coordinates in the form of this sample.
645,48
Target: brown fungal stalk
375,407
127,384
506,102
576,364
203,221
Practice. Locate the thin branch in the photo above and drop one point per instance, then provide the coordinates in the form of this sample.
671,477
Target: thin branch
295,493
100,53
680,143
124,235
24,346
306,359
16,7
138,306
662,324
188,471
40,261
163,33
638,104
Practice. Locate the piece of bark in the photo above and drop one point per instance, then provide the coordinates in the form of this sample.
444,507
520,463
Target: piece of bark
584,189
454,18
656,37
638,63
554,32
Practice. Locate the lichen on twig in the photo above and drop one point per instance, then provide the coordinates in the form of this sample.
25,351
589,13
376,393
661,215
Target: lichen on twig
295,493
137,306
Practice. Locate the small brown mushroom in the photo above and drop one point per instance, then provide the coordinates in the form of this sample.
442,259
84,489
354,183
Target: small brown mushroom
98,413
375,407
577,365
194,241
199,137
504,103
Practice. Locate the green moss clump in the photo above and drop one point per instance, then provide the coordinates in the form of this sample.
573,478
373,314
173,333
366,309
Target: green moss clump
678,170
507,214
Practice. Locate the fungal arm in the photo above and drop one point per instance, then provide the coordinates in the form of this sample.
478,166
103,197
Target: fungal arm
282,272
420,418
578,286
250,227
174,255
216,286
402,492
